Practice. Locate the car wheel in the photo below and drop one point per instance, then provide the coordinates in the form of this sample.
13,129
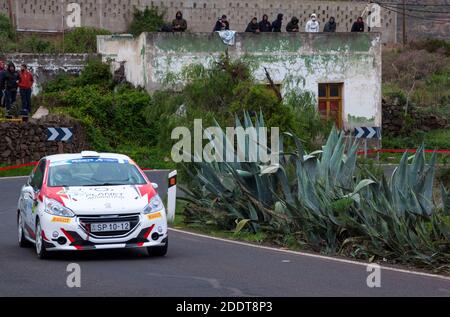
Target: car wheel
23,242
159,250
40,248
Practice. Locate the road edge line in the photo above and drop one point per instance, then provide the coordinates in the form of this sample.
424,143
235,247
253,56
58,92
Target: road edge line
12,177
318,256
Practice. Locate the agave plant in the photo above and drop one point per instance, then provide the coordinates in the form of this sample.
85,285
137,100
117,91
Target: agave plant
321,198
233,192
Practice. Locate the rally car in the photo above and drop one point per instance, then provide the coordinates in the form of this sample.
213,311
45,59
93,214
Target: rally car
90,201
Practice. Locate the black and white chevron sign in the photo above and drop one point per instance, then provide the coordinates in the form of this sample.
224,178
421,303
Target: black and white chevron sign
59,134
368,132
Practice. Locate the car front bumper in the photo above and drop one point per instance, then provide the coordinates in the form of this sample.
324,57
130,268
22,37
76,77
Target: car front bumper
64,234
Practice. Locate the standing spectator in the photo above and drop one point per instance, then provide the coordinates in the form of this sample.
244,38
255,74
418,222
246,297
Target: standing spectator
179,24
358,25
11,81
276,25
253,26
265,25
2,82
292,26
312,25
25,84
222,24
330,26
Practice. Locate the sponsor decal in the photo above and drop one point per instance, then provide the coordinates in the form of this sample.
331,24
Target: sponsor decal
94,194
153,216
61,219
86,160
63,194
104,195
94,160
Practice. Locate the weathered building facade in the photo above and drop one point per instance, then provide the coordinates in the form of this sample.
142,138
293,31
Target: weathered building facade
342,70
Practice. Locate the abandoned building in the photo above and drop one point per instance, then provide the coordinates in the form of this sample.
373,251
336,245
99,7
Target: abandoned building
342,70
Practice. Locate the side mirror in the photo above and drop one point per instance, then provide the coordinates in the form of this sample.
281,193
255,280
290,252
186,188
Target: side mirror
28,192
155,186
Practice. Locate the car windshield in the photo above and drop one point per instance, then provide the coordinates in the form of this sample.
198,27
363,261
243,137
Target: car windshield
94,172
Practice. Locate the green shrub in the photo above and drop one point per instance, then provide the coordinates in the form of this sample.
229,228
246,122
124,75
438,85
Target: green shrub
7,31
82,40
432,45
61,82
148,20
96,73
34,44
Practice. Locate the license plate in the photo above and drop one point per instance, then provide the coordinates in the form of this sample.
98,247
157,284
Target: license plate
110,226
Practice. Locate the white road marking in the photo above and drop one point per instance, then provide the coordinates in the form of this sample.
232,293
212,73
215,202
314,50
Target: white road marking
12,177
317,256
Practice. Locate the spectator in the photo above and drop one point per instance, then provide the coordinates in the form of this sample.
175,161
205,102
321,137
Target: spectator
222,24
265,25
330,26
276,25
25,84
292,26
2,82
358,25
179,24
253,26
312,25
10,81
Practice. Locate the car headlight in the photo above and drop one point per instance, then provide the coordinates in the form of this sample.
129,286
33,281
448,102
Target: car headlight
55,208
155,205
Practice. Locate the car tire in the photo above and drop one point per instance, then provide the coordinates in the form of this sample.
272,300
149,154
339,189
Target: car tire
159,250
23,242
39,244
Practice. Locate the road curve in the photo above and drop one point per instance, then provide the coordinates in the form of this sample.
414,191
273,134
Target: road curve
195,266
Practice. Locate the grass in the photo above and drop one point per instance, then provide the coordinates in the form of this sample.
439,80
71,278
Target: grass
23,171
259,238
435,139
179,223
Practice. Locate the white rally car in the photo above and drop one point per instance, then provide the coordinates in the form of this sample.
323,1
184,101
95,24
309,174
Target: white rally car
91,201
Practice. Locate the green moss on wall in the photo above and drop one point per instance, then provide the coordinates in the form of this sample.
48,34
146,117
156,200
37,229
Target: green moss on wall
271,44
351,42
191,43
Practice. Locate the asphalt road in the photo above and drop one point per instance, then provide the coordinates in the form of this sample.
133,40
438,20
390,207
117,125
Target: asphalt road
194,266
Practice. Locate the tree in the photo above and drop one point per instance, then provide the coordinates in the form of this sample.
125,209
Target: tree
149,20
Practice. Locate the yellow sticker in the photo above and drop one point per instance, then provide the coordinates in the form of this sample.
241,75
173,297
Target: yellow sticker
61,219
154,216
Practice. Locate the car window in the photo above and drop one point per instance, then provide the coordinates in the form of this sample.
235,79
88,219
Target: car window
38,176
94,172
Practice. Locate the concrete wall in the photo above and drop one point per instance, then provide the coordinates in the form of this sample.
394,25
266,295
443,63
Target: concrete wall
47,66
115,15
296,61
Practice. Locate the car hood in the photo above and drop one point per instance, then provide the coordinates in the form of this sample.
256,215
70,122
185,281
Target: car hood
103,200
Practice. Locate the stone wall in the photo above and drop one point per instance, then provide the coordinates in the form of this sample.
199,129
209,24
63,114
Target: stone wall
26,142
47,66
395,122
115,15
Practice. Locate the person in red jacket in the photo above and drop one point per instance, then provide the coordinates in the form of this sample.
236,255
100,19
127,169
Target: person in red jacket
25,84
